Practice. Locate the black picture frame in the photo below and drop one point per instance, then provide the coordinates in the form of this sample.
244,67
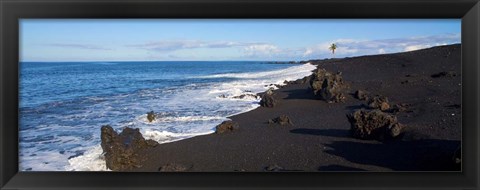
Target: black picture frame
13,10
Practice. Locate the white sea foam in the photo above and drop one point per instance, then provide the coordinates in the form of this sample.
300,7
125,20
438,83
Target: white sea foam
288,73
256,82
91,160
50,161
160,119
166,137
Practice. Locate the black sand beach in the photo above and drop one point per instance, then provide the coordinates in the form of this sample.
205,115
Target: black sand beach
427,82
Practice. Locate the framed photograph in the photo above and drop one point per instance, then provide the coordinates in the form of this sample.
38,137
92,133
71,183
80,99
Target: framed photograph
239,95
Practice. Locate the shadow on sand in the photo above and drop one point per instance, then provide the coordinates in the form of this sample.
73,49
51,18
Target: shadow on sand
303,93
418,155
322,132
356,107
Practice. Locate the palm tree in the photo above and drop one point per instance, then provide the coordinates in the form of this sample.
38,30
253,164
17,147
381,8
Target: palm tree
333,47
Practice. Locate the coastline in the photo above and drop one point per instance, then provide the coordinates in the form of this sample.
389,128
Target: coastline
319,139
244,98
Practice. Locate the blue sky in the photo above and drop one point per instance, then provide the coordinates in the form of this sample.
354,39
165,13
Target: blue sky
203,40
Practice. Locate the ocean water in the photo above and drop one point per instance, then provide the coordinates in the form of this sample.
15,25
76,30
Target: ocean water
63,105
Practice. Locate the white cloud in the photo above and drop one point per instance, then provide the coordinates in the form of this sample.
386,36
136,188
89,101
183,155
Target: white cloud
261,49
416,47
174,45
268,51
308,51
323,48
356,47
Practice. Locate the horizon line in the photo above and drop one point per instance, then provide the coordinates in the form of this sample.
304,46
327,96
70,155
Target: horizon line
459,43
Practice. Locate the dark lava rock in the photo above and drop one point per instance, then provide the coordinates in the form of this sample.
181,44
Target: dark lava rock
399,108
226,126
328,86
274,168
243,96
151,116
173,168
444,74
361,95
268,100
374,125
282,120
306,79
77,154
379,102
121,150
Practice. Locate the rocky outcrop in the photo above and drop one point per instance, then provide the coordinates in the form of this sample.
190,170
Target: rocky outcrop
328,86
226,126
268,100
379,102
397,108
282,120
306,79
374,125
361,95
121,150
243,96
151,116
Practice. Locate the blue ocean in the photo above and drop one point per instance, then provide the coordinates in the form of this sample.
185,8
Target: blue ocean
64,104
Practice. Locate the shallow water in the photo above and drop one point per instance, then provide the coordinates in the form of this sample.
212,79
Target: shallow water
63,105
